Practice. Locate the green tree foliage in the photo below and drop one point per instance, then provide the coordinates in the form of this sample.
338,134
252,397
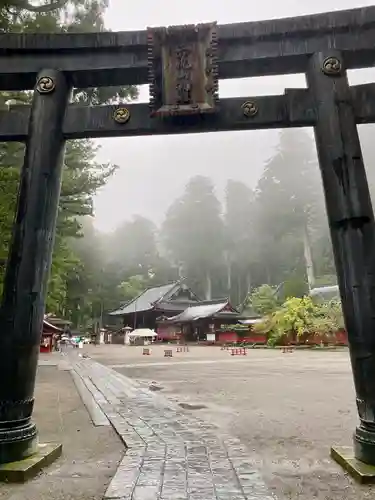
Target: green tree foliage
263,300
43,7
291,180
295,286
193,233
82,177
134,247
133,287
113,269
8,196
289,203
70,16
65,264
289,200
299,317
239,219
84,298
294,317
328,318
134,250
75,275
48,17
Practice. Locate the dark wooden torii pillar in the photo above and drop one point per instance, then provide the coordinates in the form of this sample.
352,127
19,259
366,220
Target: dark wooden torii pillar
352,227
28,267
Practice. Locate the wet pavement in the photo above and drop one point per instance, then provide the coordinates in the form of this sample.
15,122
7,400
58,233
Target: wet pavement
171,455
286,409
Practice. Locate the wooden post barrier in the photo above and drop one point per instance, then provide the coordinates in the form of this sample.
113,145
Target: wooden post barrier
287,349
239,351
184,348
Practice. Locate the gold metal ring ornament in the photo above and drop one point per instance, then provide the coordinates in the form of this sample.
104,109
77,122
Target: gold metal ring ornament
45,85
121,115
332,66
249,109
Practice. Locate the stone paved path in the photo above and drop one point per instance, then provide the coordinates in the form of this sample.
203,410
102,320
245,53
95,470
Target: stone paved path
170,455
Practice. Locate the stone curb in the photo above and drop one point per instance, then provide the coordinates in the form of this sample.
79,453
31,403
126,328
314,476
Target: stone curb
83,387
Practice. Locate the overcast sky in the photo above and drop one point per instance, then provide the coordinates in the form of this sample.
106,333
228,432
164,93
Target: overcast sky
154,170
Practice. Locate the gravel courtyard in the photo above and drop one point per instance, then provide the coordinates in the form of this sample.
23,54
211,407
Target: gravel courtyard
288,409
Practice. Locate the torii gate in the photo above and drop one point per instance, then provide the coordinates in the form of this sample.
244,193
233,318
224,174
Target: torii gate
182,66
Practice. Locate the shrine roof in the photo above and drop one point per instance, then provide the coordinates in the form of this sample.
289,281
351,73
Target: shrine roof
146,300
158,297
51,328
174,305
203,310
